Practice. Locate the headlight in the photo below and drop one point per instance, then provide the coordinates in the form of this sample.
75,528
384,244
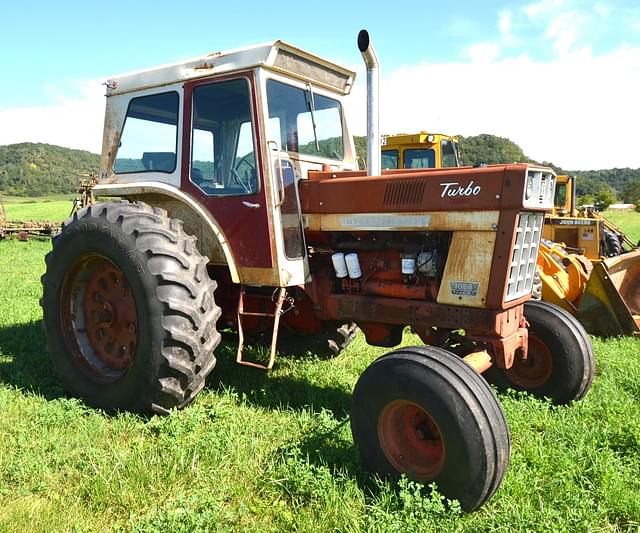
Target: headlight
529,190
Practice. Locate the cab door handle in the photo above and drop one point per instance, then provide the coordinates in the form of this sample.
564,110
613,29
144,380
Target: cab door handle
250,205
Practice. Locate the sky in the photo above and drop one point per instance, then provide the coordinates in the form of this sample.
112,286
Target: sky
561,78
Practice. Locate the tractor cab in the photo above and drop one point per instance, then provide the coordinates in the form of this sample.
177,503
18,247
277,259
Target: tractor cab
231,132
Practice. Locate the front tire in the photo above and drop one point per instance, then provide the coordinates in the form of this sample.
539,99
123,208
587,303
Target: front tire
423,412
560,364
128,308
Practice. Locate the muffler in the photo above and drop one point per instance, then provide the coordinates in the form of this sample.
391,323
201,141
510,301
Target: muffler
374,167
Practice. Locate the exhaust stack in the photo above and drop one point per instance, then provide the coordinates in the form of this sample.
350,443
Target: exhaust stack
374,167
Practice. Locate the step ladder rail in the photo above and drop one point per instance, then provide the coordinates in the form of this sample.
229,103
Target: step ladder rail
282,297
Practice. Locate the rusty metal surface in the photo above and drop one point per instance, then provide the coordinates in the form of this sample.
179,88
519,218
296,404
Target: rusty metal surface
534,370
377,309
460,189
110,316
411,440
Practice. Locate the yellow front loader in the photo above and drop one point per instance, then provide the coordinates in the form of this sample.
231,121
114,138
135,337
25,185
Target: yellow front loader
604,294
606,297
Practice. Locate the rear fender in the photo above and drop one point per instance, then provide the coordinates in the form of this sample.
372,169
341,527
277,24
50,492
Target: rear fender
197,220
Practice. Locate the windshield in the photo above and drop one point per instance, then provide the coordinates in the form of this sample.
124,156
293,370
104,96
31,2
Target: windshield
298,118
420,158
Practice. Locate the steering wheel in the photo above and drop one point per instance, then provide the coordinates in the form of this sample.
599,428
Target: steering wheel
235,174
236,178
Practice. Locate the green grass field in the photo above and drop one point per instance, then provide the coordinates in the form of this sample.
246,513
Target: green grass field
259,452
51,208
629,221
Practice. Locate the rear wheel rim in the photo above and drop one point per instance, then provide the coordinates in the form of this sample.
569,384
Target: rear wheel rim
535,370
99,317
411,440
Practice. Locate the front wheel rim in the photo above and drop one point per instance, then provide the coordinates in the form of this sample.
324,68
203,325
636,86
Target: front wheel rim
535,370
411,440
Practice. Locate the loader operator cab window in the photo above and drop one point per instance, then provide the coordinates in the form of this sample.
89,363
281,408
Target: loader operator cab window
419,158
223,159
307,123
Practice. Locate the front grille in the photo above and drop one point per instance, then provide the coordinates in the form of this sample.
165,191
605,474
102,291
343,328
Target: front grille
524,256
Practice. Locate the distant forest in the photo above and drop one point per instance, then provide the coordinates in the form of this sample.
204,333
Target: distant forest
29,169
34,169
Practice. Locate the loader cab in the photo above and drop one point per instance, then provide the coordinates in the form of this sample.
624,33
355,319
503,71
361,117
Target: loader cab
420,150
221,142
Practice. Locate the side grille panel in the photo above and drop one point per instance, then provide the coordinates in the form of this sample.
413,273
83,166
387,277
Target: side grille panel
409,192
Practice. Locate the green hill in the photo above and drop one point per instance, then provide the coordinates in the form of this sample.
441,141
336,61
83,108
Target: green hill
485,148
35,169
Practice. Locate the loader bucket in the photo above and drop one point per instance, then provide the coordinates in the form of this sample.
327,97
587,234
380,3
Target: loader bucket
611,302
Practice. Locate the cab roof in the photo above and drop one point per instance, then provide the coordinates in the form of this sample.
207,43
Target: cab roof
276,55
415,138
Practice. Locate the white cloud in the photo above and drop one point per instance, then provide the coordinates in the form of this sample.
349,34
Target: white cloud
543,7
565,30
482,52
560,111
505,22
74,118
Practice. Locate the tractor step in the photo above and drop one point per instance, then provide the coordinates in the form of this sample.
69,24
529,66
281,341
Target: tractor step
277,313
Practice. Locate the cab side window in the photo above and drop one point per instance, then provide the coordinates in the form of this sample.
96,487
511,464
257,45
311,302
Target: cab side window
149,135
389,159
449,157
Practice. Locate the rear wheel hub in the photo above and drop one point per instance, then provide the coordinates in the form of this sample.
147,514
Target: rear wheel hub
100,317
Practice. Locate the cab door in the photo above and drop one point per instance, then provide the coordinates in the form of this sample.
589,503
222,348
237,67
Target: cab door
290,244
223,169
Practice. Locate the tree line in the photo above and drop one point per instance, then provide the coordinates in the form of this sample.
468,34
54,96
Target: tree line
35,169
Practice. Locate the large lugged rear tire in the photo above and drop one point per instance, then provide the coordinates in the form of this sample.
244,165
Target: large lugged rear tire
423,412
129,311
560,364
